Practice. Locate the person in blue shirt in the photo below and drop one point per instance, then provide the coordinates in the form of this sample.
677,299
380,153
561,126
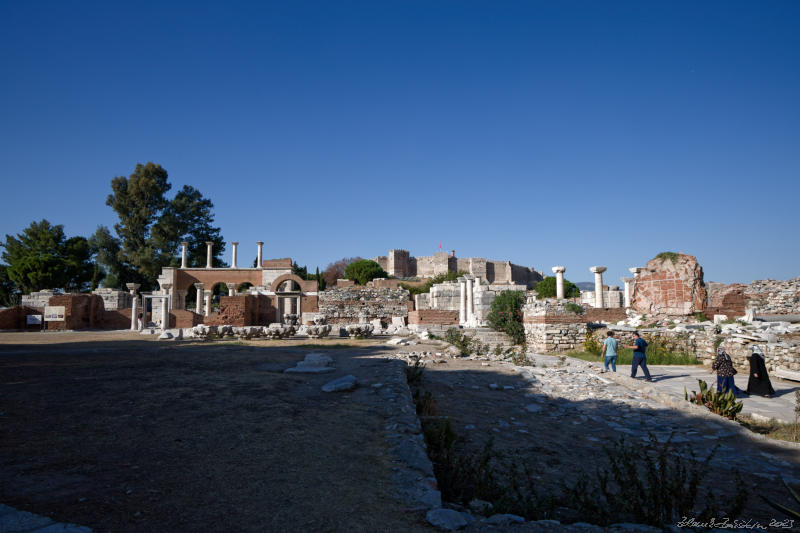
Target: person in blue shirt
639,356
610,352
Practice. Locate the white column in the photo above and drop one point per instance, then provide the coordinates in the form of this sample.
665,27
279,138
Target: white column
470,301
462,300
209,294
260,253
199,306
559,272
598,284
416,302
231,289
166,288
234,245
134,301
628,282
299,313
209,254
636,271
184,245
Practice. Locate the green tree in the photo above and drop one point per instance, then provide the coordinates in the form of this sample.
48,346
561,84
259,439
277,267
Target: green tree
151,227
9,294
41,257
363,271
547,288
506,315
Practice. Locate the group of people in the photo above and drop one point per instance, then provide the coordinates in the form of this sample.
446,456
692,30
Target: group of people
758,383
639,347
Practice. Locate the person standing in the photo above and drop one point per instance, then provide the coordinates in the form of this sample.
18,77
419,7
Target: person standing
609,352
759,382
639,348
723,365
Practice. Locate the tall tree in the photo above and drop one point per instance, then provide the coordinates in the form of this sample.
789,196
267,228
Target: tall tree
41,257
151,227
9,294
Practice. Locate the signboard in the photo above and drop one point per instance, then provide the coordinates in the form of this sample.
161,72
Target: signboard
54,313
33,319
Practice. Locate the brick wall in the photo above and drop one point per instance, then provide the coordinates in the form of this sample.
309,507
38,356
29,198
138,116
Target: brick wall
604,314
81,311
351,304
179,318
433,316
14,318
243,310
116,319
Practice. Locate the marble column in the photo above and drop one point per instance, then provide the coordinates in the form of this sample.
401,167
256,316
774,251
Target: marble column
199,307
260,254
628,283
231,289
184,246
470,301
209,253
209,295
462,300
299,311
598,284
235,246
559,272
165,287
134,308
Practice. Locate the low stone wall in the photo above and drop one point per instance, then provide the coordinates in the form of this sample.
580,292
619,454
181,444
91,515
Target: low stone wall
114,298
354,304
433,316
551,327
607,314
37,299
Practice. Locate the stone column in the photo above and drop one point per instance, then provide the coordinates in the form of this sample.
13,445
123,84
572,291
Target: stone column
627,282
166,287
234,245
231,289
209,254
636,271
462,300
184,245
559,272
416,302
299,312
598,284
199,307
470,301
260,253
134,311
209,295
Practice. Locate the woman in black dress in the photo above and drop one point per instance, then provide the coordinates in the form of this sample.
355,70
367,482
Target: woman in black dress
759,382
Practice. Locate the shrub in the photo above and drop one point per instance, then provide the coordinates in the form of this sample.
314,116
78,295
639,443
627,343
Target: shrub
464,343
547,288
667,256
506,315
574,308
721,403
591,344
363,271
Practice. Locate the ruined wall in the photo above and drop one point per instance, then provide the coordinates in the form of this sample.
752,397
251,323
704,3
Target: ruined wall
670,287
398,263
114,298
244,310
116,319
551,327
354,304
771,297
431,316
37,299
611,298
13,318
725,299
81,311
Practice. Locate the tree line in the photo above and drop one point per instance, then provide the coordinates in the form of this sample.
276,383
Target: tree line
145,239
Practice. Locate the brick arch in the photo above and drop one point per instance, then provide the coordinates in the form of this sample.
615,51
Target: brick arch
188,277
305,285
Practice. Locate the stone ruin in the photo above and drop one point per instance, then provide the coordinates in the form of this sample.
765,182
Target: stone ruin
670,285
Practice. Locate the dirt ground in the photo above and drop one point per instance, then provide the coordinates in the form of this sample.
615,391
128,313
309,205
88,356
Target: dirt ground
118,433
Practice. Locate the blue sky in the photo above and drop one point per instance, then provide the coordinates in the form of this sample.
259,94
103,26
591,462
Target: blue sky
546,133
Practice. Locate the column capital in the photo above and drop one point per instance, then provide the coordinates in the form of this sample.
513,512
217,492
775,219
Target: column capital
166,286
209,243
133,287
260,243
184,243
230,285
626,280
635,270
199,285
235,243
597,269
557,269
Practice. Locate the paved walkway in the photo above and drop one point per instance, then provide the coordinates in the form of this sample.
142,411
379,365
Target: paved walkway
673,379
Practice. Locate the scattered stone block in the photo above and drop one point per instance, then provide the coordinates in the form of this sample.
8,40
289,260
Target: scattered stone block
446,519
344,383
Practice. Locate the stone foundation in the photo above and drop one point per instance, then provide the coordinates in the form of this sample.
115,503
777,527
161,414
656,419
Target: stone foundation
433,316
362,304
551,327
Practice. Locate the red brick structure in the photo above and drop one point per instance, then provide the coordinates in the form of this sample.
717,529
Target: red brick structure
726,299
81,311
604,314
14,318
670,285
243,310
433,316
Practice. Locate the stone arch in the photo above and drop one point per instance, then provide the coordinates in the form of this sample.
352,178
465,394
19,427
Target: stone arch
305,285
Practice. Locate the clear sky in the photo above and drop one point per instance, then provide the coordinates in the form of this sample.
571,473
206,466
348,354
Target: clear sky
545,133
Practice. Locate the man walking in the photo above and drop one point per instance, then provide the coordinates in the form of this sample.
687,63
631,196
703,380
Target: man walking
639,356
609,352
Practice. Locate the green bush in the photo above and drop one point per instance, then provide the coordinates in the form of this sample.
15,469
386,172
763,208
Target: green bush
574,308
591,344
667,256
506,315
363,271
459,340
547,288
